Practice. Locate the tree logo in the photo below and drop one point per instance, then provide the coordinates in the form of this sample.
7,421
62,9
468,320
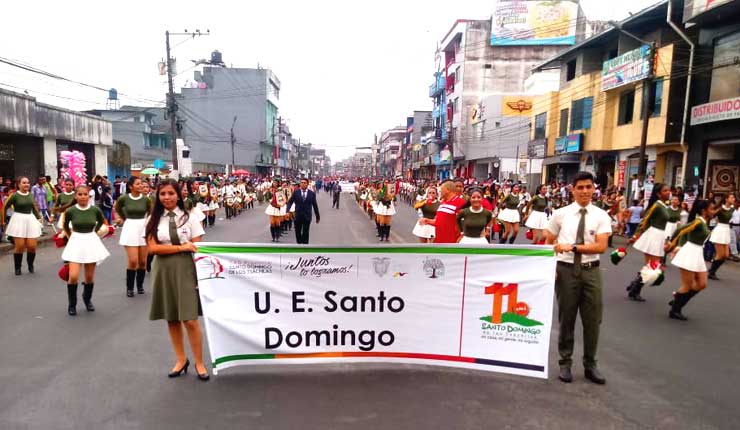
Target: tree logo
516,311
434,268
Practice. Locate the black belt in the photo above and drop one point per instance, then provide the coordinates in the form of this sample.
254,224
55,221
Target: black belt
589,265
734,225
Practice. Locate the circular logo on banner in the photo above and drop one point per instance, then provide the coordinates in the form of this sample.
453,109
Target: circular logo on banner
725,178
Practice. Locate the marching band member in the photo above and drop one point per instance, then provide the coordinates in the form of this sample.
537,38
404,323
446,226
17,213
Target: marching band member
64,200
132,209
721,234
385,209
510,215
674,216
650,235
428,207
25,224
536,218
276,201
474,220
83,223
689,257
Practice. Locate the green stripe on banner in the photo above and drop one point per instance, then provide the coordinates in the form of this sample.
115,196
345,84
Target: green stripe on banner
524,252
222,360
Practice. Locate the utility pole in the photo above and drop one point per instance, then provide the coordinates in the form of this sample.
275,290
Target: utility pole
647,112
233,142
171,104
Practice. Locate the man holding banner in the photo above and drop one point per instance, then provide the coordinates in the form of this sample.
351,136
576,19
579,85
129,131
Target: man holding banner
579,232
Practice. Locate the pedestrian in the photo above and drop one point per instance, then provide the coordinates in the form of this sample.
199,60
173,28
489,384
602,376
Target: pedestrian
735,236
509,215
688,243
649,238
445,225
275,201
635,216
428,206
536,218
39,196
721,234
579,233
132,209
24,225
474,221
171,235
336,194
106,204
304,201
82,224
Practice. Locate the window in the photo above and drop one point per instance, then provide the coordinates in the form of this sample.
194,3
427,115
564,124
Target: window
563,123
626,107
540,126
570,70
656,87
581,114
457,75
724,79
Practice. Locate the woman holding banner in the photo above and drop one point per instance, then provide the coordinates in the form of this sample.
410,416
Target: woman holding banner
170,235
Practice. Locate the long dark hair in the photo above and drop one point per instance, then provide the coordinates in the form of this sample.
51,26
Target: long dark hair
158,210
654,195
697,208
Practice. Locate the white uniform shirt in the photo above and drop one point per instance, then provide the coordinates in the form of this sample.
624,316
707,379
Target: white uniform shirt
735,220
186,230
564,225
229,191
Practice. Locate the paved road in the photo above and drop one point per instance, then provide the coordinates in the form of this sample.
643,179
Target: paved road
106,370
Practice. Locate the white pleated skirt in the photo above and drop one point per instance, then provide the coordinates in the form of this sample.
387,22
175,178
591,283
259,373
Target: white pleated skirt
85,248
509,215
383,210
24,226
651,242
690,257
273,211
423,231
537,220
474,240
132,233
197,213
721,234
670,228
202,206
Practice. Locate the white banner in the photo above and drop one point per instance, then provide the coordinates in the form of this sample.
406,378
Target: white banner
478,307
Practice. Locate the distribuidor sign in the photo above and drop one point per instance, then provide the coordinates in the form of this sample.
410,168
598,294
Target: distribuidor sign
716,111
629,67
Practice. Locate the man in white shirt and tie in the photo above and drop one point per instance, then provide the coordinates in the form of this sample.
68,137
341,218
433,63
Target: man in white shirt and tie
579,233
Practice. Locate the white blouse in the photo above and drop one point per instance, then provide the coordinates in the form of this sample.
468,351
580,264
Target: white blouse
186,230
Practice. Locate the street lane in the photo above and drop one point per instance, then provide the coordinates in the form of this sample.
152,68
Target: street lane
107,369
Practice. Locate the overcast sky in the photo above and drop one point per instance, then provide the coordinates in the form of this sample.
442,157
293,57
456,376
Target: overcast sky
348,69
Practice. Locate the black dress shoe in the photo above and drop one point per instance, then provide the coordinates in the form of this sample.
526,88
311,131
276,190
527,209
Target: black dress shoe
595,376
183,369
565,375
203,376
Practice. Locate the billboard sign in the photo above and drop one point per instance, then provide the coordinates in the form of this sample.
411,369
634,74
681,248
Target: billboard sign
519,22
569,143
516,106
696,7
629,67
716,111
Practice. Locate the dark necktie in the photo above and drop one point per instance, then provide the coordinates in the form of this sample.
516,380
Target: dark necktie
579,239
304,196
174,238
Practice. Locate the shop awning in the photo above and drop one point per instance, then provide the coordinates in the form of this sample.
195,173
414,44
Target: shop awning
563,159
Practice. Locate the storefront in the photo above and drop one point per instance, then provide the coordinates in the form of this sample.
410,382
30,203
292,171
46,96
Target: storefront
561,168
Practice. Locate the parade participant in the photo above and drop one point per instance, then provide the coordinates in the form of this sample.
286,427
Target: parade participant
650,235
336,193
445,221
64,200
190,207
82,225
689,257
474,220
721,234
536,218
171,235
509,215
25,224
228,193
303,200
674,215
289,212
201,197
579,233
428,206
385,209
276,201
132,209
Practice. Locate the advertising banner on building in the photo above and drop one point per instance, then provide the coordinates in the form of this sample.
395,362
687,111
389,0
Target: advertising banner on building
486,308
569,143
697,7
516,106
716,111
627,68
534,23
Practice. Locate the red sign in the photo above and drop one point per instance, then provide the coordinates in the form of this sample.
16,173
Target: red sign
620,173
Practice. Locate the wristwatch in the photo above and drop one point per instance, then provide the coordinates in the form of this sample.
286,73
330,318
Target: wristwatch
574,248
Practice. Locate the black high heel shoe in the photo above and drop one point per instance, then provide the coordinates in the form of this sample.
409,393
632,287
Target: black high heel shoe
203,376
183,369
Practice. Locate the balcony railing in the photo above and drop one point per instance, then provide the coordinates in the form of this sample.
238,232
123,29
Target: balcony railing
437,87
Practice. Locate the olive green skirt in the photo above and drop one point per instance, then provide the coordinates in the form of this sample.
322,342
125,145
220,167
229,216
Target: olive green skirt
174,297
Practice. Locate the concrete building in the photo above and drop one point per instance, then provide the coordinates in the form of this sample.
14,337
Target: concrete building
420,130
494,57
390,161
32,135
248,100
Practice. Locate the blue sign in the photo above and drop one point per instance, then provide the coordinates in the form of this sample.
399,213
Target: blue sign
158,164
569,143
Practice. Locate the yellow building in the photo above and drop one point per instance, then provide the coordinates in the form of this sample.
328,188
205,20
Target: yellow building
594,122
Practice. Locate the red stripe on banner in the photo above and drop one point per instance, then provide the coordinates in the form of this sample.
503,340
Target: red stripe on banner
462,306
419,356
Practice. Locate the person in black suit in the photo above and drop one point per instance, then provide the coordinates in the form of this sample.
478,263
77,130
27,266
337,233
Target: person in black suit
336,193
304,199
